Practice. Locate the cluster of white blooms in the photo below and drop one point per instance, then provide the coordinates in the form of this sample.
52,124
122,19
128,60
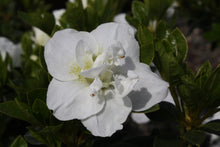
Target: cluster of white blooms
98,78
14,50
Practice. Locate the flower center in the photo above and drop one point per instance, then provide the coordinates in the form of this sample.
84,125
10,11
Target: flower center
97,69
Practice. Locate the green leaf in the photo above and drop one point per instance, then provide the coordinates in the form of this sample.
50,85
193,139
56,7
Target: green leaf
43,21
195,137
146,38
41,111
140,12
47,135
161,30
36,94
181,44
19,142
203,73
212,127
167,112
158,8
74,16
132,21
167,141
18,110
212,88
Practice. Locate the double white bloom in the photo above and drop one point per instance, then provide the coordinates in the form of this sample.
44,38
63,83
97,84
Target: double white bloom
98,78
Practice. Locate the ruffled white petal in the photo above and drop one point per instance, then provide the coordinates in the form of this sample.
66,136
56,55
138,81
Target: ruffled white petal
71,100
94,72
60,52
109,33
150,89
110,119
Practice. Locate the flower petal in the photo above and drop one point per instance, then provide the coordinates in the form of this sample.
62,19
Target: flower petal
109,33
150,89
94,72
71,100
60,52
110,119
139,118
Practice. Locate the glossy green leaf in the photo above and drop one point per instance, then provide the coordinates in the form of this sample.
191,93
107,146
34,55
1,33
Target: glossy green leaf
146,38
19,142
140,12
181,45
43,21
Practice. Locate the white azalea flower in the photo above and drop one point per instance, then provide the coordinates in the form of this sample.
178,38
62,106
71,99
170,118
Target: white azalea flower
40,37
98,78
14,50
57,15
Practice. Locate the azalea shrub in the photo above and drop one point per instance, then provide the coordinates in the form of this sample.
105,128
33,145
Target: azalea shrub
99,72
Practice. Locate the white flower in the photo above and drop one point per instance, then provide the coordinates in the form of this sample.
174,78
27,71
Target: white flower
40,37
14,50
98,79
57,15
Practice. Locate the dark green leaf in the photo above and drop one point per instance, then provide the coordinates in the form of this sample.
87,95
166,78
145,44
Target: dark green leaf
19,142
41,111
203,73
158,8
18,110
161,30
37,94
47,135
195,137
167,141
167,112
43,21
212,88
212,127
